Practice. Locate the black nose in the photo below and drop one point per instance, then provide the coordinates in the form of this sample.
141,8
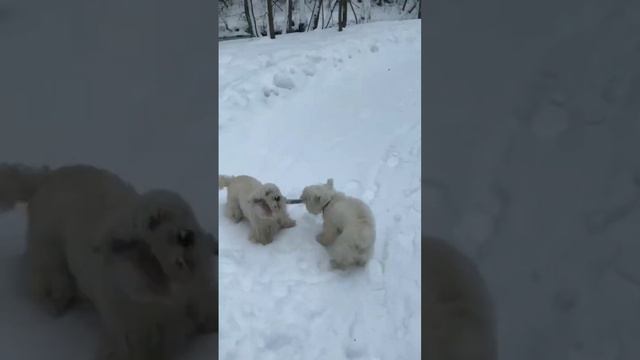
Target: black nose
186,238
277,198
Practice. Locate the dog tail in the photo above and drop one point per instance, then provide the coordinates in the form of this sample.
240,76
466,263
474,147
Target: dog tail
224,181
361,237
18,183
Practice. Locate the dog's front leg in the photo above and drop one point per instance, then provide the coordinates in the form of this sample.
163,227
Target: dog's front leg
286,222
327,236
265,238
261,235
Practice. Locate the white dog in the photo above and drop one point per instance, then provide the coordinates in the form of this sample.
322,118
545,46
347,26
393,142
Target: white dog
261,204
459,319
349,229
141,259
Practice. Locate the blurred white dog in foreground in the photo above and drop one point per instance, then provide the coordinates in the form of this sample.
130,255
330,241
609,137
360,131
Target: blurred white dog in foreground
261,204
141,259
348,231
459,321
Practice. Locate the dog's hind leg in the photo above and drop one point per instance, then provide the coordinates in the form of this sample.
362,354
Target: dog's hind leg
233,210
50,280
341,253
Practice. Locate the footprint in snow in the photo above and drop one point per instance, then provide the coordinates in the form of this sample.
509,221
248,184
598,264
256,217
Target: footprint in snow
283,81
269,91
315,58
355,350
309,70
393,160
370,194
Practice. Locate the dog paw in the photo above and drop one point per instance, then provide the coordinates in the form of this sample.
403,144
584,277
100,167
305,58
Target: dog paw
288,223
336,265
320,239
265,241
260,239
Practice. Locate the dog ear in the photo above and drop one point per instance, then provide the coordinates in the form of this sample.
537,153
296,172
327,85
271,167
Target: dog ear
263,209
330,183
137,272
157,219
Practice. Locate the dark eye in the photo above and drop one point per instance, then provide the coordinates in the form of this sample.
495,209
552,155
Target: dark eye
185,238
277,198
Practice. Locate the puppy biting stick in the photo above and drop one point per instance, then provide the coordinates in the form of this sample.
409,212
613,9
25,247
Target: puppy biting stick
348,232
263,205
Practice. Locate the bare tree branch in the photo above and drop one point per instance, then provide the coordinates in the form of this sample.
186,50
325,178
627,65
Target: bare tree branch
355,17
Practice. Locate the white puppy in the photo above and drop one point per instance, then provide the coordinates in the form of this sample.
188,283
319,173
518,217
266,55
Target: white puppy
459,318
349,229
141,259
261,204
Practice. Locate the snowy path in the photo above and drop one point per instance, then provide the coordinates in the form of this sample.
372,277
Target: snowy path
296,111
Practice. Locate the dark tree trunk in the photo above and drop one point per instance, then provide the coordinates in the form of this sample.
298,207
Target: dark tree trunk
272,28
312,17
255,31
340,15
343,13
316,17
289,16
247,14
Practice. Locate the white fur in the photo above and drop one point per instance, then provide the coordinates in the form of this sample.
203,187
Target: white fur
459,318
92,236
348,231
261,204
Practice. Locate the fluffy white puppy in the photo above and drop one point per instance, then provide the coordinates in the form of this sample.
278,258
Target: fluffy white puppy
349,229
141,259
261,204
459,316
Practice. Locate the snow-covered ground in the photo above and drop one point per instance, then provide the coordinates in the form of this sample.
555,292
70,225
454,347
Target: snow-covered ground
74,88
532,165
295,111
